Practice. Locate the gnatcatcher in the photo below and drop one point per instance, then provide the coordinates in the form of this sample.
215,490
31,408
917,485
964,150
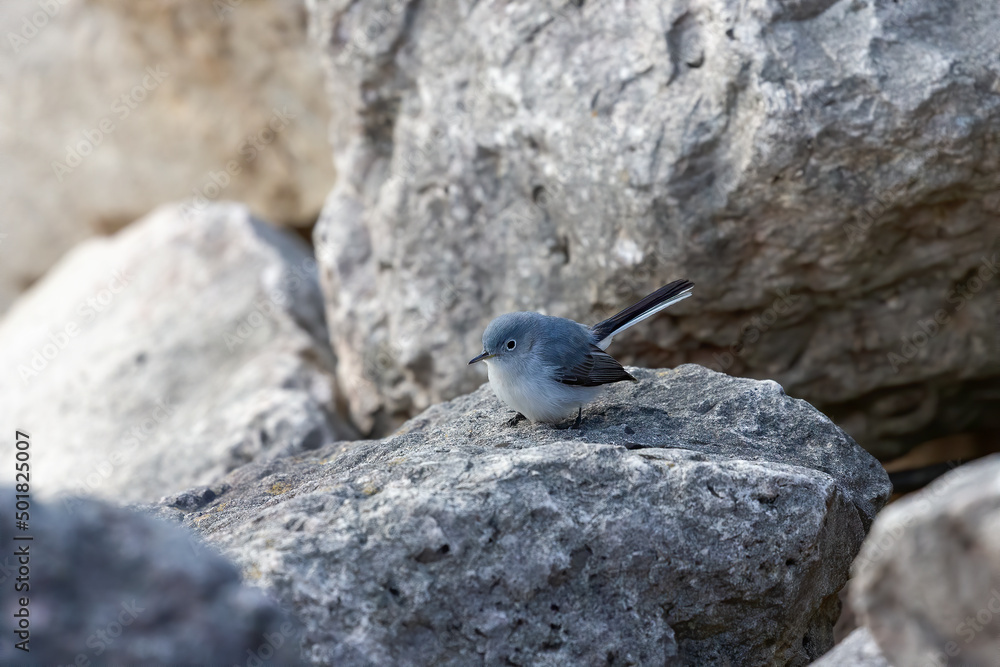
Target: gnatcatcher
543,366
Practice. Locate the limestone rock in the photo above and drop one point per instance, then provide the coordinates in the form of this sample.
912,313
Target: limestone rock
109,586
148,103
927,581
169,354
693,519
857,650
826,172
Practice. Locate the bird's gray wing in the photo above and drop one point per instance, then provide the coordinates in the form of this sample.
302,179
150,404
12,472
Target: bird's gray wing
592,368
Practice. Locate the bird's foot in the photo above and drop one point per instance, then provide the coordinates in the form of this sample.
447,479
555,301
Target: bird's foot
576,423
513,421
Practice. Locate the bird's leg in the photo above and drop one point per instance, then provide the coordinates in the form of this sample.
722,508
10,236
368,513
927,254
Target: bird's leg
565,426
515,419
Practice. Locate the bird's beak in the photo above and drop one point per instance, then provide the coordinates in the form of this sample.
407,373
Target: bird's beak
484,355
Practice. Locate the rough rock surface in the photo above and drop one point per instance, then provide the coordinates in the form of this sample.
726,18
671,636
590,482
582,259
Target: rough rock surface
857,650
80,83
693,519
113,587
169,354
826,172
927,582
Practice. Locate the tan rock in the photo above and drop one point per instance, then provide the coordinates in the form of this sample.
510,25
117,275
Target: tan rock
927,580
111,108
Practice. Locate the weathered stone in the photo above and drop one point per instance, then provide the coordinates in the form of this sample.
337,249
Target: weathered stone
826,172
927,581
168,355
693,519
111,108
108,586
857,650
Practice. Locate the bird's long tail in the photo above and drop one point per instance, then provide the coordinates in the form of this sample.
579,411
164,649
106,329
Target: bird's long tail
662,298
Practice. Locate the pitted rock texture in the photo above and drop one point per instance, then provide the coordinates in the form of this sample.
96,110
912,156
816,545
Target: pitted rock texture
826,172
169,354
694,518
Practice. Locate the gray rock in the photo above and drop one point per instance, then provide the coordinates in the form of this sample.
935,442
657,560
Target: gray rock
693,519
77,92
927,581
168,355
109,586
857,650
826,172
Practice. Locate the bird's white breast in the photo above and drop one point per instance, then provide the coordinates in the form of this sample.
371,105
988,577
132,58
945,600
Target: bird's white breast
529,388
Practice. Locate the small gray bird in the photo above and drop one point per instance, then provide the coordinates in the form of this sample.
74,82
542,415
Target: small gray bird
543,366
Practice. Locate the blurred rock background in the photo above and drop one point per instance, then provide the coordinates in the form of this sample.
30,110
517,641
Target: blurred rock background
159,370
112,108
110,586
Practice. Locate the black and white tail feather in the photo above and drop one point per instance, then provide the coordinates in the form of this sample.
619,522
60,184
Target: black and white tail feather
666,296
596,367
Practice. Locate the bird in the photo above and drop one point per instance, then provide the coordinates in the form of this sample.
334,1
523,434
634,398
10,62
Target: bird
542,366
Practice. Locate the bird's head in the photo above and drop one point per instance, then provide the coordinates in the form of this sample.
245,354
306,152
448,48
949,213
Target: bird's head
508,337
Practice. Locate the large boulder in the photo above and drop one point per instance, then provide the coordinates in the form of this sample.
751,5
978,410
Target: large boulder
110,108
694,518
168,355
107,586
927,582
825,171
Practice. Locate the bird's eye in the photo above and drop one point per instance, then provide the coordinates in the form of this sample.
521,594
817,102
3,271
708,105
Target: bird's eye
511,345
